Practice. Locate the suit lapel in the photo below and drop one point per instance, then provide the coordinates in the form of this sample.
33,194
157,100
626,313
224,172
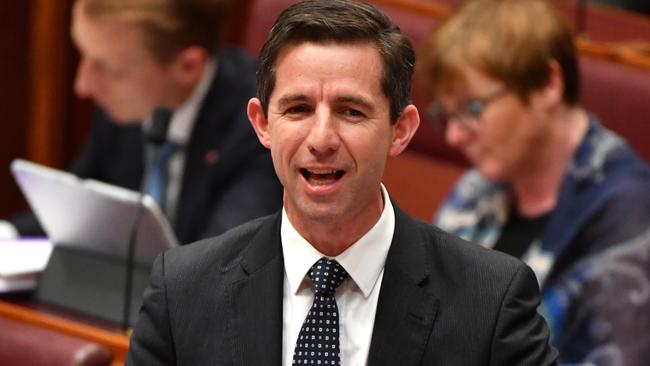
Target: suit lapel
405,311
256,300
197,174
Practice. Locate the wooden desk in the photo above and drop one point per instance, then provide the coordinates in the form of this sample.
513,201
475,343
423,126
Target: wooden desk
116,341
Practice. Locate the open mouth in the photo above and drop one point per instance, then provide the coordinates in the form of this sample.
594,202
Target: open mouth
318,177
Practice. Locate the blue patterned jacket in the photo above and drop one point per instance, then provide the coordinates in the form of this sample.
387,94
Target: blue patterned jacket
604,200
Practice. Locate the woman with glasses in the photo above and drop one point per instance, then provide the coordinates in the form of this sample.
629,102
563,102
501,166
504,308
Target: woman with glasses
549,183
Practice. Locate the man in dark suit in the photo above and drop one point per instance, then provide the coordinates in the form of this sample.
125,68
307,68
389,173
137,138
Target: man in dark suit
340,275
138,55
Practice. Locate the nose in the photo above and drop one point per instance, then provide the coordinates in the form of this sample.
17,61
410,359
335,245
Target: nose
323,137
456,135
84,84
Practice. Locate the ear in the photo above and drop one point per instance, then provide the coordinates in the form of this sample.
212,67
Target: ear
188,65
258,120
404,130
554,90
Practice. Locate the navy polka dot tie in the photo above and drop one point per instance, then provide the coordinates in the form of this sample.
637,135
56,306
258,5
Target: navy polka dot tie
318,341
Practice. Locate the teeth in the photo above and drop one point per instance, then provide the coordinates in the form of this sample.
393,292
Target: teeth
322,176
321,171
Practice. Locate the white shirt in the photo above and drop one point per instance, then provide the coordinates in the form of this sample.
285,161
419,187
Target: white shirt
356,298
180,132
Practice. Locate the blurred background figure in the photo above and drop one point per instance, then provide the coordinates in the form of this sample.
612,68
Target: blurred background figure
550,184
602,306
137,55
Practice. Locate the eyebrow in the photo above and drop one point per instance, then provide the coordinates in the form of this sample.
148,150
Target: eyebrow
356,100
292,98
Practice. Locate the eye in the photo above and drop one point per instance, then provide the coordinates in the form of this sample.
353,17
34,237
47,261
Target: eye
110,71
352,113
297,109
473,108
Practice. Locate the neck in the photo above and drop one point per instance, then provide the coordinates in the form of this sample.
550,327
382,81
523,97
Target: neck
536,187
181,92
333,235
179,96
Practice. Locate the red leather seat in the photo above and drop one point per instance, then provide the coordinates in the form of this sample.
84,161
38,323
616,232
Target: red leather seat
25,344
620,96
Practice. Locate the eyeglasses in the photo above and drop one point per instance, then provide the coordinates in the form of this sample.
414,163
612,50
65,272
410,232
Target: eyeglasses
469,114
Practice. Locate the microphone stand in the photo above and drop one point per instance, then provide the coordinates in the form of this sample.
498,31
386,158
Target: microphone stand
156,136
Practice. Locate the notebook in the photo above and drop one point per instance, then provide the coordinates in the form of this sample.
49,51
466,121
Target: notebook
92,215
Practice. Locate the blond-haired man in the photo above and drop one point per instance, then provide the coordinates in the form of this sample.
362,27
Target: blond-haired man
137,55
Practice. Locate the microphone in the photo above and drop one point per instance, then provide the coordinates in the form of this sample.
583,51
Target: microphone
157,134
155,137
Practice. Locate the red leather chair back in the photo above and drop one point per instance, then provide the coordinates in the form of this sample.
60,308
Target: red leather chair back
620,96
25,344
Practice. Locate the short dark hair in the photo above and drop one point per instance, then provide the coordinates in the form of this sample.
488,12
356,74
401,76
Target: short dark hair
341,21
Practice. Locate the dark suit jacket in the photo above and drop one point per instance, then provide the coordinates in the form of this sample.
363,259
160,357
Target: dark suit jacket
239,185
442,301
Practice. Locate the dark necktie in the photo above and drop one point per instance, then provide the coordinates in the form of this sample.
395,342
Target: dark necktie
318,341
158,176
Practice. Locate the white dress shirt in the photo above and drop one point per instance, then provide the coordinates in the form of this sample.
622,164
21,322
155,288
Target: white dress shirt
356,298
180,132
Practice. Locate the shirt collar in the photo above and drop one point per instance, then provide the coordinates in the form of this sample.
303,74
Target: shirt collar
363,260
184,117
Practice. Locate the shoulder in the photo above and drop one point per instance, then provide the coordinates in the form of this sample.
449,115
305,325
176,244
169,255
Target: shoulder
607,160
233,83
471,194
478,290
451,258
219,253
445,247
235,62
606,179
619,180
471,187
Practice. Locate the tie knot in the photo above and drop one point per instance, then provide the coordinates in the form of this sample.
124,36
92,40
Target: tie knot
327,274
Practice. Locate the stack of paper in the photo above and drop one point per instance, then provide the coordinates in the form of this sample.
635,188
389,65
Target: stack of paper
21,261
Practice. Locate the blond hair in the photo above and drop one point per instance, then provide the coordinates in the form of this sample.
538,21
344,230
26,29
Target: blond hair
512,41
169,25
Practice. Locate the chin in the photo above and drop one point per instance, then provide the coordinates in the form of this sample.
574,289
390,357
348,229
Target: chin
491,171
122,118
322,213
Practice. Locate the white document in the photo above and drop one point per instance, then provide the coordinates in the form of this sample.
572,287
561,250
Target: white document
21,261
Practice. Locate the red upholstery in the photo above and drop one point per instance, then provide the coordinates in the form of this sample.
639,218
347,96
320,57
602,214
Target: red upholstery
260,20
24,344
620,96
601,22
607,24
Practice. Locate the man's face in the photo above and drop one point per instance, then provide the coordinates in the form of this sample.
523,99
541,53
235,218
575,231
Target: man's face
116,69
329,132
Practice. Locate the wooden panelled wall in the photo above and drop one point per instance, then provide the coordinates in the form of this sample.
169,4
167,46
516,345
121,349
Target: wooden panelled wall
42,119
14,45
